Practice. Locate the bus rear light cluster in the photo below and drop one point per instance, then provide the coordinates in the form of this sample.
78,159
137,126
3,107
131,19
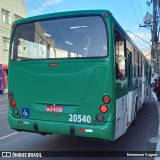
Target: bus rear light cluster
12,102
100,117
103,109
106,100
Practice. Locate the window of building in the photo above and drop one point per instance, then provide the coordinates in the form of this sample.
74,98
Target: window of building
5,16
6,43
16,17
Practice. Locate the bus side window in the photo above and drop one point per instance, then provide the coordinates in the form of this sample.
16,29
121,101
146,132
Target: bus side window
119,74
120,56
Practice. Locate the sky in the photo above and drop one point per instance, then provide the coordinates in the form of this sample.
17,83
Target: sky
129,13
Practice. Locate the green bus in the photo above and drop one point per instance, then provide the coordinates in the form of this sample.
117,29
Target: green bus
74,73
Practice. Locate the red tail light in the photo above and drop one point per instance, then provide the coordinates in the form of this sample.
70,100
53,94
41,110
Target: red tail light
13,103
106,99
53,64
10,95
105,15
13,25
81,130
103,108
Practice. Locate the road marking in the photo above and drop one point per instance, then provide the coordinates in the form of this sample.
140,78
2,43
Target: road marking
9,135
3,112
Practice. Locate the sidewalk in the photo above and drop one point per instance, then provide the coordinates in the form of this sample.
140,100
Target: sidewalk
158,134
3,96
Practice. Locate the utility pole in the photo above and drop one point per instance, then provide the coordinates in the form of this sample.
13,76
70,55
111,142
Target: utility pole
152,21
154,51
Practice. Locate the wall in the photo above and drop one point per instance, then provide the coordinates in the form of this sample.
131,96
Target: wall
17,7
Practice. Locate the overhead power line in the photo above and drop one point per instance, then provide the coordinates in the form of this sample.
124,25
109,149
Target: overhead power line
140,9
41,6
35,6
49,6
139,37
143,34
134,12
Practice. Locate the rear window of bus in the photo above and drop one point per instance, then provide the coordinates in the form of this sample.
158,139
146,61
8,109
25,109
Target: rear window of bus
76,37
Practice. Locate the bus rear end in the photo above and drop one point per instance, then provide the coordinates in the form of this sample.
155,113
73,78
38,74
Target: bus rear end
60,76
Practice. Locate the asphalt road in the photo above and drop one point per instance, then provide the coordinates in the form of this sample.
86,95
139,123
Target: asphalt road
138,138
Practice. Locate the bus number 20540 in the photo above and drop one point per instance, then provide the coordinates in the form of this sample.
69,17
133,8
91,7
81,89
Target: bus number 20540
79,118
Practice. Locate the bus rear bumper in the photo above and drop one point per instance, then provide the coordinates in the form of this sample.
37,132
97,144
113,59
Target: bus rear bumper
105,131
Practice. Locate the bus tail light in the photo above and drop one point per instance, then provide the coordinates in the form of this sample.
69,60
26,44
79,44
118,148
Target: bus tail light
85,130
106,15
53,64
15,111
10,95
12,26
100,117
13,103
81,130
106,99
103,108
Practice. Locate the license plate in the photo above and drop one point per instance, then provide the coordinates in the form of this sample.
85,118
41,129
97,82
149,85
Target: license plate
54,108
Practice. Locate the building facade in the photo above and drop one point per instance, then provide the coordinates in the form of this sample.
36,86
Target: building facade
11,10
